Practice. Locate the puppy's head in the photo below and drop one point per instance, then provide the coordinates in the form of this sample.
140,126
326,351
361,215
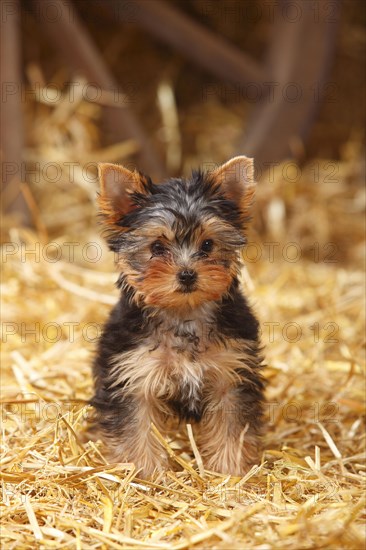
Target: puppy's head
177,242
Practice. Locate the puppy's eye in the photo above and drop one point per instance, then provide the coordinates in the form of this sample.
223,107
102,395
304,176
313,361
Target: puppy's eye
157,248
207,245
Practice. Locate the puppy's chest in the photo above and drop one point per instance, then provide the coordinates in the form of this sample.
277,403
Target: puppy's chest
184,340
179,365
180,353
172,362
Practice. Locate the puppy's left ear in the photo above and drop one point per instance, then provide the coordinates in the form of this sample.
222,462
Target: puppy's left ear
236,179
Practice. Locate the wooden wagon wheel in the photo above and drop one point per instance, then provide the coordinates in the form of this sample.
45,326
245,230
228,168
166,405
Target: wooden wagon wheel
291,79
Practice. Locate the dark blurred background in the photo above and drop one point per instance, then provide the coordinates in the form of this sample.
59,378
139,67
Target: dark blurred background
168,85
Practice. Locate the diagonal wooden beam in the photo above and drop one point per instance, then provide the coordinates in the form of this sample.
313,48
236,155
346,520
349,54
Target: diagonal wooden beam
72,39
193,40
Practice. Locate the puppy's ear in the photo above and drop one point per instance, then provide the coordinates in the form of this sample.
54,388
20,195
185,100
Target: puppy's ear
236,179
117,184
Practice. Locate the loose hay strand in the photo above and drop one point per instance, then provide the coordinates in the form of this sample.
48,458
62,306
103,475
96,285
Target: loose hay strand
32,519
195,450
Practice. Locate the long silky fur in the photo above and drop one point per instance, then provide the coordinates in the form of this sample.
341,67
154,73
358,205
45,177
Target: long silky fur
171,354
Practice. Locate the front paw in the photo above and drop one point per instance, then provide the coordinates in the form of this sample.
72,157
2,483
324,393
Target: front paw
232,460
221,465
146,464
146,469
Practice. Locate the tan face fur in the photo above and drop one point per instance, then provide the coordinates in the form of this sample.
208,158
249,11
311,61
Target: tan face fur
155,279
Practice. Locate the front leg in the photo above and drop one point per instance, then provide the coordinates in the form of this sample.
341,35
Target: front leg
126,430
229,432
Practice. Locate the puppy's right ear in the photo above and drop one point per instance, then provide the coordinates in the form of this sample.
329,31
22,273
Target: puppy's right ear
117,185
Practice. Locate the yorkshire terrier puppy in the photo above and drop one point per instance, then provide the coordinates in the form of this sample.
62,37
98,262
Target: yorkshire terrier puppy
182,341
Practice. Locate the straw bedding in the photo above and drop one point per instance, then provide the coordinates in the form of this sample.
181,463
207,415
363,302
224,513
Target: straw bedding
304,276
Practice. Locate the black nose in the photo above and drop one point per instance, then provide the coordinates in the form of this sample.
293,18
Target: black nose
187,277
